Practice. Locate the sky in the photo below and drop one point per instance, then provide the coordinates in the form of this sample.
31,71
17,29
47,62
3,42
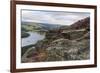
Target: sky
52,17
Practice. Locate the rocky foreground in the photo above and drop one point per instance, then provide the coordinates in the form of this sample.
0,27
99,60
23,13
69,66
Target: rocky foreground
66,43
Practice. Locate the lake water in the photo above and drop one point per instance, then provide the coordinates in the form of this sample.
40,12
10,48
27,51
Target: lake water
32,39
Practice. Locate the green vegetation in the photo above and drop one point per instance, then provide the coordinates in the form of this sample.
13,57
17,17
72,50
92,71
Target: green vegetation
25,48
30,27
24,34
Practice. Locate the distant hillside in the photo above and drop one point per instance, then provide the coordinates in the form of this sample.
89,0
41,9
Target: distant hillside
46,26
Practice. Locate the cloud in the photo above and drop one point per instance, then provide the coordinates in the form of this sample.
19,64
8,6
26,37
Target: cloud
51,17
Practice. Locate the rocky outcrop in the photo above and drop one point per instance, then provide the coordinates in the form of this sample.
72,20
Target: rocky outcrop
64,49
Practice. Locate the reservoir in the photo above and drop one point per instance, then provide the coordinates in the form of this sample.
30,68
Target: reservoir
32,39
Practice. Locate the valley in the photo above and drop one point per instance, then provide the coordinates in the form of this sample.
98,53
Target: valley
54,42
